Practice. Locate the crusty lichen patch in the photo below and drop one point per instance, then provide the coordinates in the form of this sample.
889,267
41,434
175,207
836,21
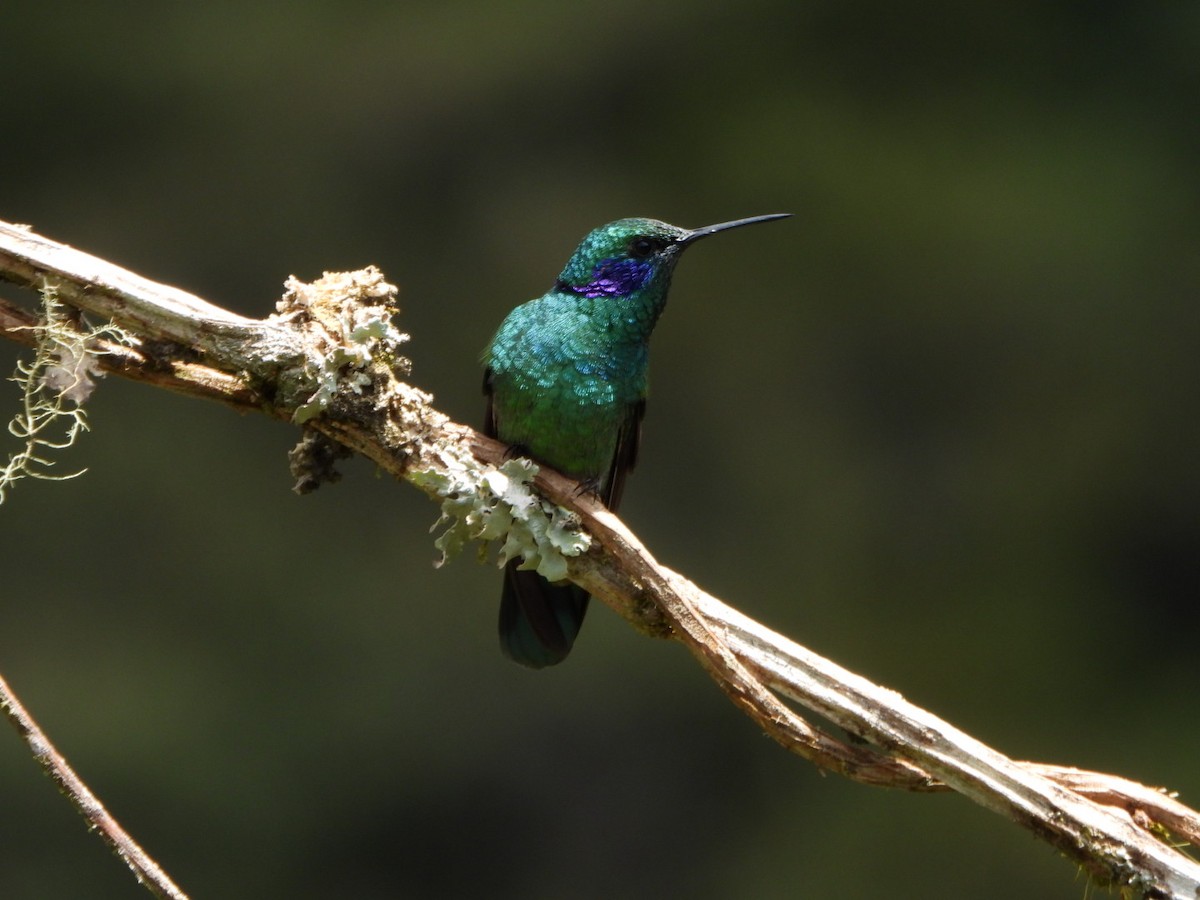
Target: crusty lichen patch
350,338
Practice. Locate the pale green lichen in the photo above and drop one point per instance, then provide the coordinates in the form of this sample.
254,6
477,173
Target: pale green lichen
54,387
349,318
329,376
497,505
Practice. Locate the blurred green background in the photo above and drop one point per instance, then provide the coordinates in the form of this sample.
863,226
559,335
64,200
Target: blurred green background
940,426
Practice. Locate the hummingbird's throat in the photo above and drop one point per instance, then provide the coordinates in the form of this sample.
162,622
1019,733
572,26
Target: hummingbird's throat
617,276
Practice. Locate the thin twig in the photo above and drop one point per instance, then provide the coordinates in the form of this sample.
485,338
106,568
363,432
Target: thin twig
89,806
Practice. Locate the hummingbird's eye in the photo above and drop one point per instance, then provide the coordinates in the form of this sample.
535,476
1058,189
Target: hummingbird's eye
641,247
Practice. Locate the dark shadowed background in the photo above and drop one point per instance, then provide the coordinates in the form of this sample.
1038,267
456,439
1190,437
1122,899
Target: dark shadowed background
939,426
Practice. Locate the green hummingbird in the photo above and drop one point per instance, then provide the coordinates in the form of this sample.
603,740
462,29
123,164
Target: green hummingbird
566,386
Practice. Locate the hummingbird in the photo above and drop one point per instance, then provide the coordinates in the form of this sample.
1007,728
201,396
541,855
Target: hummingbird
565,383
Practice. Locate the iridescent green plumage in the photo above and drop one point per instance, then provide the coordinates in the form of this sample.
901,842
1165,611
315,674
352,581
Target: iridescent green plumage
566,386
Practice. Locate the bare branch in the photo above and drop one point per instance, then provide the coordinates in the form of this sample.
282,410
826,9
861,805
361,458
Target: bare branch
89,806
330,359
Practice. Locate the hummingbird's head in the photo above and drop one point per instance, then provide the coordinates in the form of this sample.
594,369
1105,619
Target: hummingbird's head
621,258
624,257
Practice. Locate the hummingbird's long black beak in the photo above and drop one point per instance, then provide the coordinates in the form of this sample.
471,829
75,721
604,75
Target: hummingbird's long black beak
696,234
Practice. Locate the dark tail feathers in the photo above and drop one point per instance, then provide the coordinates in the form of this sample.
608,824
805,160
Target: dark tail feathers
538,620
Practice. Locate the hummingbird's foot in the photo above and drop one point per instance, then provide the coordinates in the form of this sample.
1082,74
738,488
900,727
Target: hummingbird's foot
515,450
591,487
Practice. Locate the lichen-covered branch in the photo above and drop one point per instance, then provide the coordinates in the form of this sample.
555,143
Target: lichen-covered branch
329,360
